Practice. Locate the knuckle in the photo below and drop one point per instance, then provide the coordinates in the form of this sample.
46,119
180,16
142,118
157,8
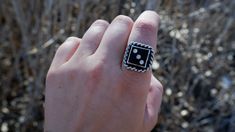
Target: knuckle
72,38
124,19
101,22
66,45
154,14
68,42
95,32
61,49
146,26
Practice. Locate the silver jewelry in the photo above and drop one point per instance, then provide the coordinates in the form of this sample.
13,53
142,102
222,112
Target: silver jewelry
138,57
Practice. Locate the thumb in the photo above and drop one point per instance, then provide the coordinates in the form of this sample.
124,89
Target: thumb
153,103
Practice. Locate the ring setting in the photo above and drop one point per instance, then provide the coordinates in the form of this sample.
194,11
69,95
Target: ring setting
138,57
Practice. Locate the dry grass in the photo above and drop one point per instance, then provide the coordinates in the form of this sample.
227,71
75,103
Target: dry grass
195,59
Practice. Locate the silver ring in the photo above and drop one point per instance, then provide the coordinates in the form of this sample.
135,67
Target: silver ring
138,57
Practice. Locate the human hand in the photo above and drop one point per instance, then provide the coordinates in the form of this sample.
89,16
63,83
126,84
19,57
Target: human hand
88,90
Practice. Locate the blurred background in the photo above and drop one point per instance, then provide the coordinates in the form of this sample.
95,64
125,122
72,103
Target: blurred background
195,59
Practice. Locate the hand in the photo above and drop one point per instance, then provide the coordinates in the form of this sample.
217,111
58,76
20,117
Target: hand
88,90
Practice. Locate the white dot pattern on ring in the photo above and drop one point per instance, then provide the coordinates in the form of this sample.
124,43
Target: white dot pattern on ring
138,57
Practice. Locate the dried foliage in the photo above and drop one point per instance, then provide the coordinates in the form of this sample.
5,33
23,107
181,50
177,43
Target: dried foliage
195,59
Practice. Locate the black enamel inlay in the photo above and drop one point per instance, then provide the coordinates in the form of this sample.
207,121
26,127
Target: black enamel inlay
138,57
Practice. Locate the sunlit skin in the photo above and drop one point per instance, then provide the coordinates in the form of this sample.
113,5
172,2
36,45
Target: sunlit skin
88,89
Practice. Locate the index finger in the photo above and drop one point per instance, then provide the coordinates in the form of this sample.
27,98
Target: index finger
142,41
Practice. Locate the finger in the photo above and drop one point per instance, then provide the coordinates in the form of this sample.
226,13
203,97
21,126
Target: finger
91,39
145,31
65,52
114,40
154,99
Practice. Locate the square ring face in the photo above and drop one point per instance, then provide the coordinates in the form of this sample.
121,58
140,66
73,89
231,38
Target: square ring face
138,57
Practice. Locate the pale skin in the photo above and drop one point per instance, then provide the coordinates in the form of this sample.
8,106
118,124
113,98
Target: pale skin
88,89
